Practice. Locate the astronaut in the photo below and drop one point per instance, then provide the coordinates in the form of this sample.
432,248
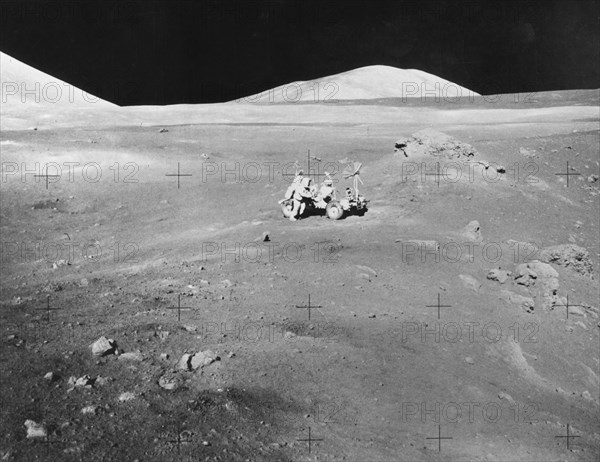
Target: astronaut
303,192
326,190
292,187
325,193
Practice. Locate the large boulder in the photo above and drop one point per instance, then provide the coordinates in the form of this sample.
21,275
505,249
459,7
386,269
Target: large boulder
184,362
543,270
498,274
526,274
103,346
35,430
169,381
472,231
542,281
203,358
189,362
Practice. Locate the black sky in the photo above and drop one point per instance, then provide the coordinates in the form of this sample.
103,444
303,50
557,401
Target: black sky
192,51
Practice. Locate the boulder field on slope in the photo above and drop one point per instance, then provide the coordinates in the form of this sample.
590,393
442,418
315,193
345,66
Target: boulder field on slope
429,142
570,256
454,159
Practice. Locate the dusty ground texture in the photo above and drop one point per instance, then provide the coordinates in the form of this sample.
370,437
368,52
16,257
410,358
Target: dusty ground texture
378,371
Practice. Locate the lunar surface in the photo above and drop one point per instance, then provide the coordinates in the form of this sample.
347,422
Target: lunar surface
156,305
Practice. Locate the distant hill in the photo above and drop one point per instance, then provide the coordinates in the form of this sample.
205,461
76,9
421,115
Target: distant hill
23,85
370,82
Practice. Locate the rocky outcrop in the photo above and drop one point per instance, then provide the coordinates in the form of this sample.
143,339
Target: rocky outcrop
430,142
570,256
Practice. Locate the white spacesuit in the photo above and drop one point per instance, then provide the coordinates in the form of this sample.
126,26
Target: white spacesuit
325,193
302,193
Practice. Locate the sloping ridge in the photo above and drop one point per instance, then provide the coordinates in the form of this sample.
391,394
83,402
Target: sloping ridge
23,85
370,82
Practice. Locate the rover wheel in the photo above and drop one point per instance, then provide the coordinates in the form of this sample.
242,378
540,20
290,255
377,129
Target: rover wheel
334,210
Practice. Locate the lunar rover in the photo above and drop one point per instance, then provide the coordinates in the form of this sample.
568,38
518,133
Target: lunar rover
333,206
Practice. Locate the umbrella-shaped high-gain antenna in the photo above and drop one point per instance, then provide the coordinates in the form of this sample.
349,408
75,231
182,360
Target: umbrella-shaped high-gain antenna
353,171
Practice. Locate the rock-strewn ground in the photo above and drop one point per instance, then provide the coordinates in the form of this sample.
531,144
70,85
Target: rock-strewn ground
444,310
